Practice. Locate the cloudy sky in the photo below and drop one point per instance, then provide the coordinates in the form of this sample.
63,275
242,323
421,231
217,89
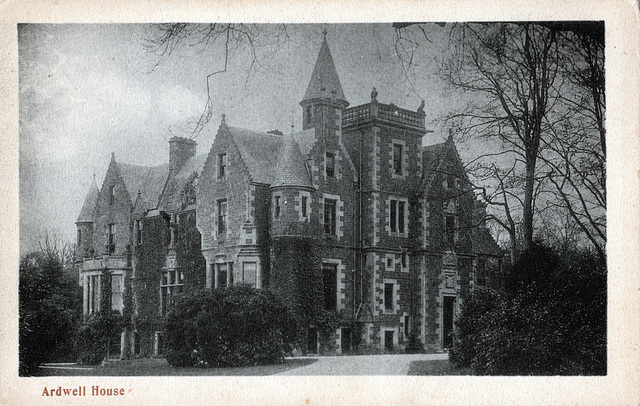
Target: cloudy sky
86,91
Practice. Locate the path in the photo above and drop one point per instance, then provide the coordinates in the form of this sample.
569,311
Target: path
395,364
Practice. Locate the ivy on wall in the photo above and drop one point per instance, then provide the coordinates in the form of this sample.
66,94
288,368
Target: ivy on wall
150,257
189,257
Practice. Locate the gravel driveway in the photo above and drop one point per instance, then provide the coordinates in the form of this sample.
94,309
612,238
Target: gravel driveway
395,364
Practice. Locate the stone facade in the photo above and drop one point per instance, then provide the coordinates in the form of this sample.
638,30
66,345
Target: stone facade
349,219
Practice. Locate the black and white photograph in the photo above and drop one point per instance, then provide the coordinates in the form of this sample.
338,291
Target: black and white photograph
355,200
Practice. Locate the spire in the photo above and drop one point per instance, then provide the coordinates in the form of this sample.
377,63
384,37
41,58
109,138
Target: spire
324,81
291,170
86,213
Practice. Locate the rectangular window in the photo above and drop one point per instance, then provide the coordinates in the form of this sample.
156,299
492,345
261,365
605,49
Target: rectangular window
405,260
407,330
450,227
397,159
388,296
94,294
330,165
276,208
397,210
330,216
305,202
222,165
250,273
117,288
111,238
222,216
112,194
171,284
393,215
330,286
222,275
138,232
79,238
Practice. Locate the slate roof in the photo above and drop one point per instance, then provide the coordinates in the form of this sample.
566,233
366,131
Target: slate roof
324,76
259,151
191,166
149,180
86,213
305,139
291,170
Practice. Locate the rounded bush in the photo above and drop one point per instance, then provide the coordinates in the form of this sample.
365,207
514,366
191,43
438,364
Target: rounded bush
227,327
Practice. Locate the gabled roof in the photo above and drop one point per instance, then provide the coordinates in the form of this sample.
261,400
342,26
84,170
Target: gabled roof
259,152
148,180
324,81
86,213
291,170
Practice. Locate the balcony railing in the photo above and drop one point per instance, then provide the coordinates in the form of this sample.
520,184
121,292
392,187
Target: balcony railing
384,112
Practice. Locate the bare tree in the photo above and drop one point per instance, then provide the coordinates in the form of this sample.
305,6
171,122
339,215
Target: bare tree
224,41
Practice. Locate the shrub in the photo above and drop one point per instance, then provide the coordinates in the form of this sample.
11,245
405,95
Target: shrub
233,326
550,320
94,336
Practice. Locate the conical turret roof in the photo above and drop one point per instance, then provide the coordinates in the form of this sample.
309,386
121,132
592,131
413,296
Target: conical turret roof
86,213
324,81
291,170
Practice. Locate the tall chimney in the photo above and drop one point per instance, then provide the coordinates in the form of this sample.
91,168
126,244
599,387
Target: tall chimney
180,150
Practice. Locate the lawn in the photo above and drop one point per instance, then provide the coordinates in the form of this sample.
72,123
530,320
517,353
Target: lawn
436,367
160,367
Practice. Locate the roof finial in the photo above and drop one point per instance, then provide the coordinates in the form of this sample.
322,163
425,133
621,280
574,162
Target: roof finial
324,32
224,119
374,94
292,121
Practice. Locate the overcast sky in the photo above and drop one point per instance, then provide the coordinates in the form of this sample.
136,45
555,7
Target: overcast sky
89,90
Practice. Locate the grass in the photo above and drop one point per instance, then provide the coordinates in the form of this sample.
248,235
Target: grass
160,367
435,368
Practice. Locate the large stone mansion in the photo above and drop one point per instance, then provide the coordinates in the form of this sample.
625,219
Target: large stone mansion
390,230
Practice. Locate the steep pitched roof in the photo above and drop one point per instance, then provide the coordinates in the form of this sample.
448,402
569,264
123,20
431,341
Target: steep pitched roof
324,79
305,139
149,180
259,152
291,169
86,213
192,166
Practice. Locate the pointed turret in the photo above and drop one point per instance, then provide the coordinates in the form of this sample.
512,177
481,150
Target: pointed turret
324,81
86,213
324,88
84,224
291,170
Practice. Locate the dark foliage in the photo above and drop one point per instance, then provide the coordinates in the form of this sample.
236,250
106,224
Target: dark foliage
50,304
550,320
228,327
96,334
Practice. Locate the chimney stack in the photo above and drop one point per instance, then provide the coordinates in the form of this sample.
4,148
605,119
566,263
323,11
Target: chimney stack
180,150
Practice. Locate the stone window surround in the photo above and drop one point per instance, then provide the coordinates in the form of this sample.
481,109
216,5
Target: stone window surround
382,336
339,213
405,233
298,205
404,159
340,276
396,296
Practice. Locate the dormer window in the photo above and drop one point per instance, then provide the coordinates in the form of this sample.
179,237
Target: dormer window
222,165
330,165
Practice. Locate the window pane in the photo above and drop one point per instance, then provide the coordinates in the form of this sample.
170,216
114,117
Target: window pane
330,162
116,292
397,159
330,216
388,296
392,215
329,281
304,206
401,217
